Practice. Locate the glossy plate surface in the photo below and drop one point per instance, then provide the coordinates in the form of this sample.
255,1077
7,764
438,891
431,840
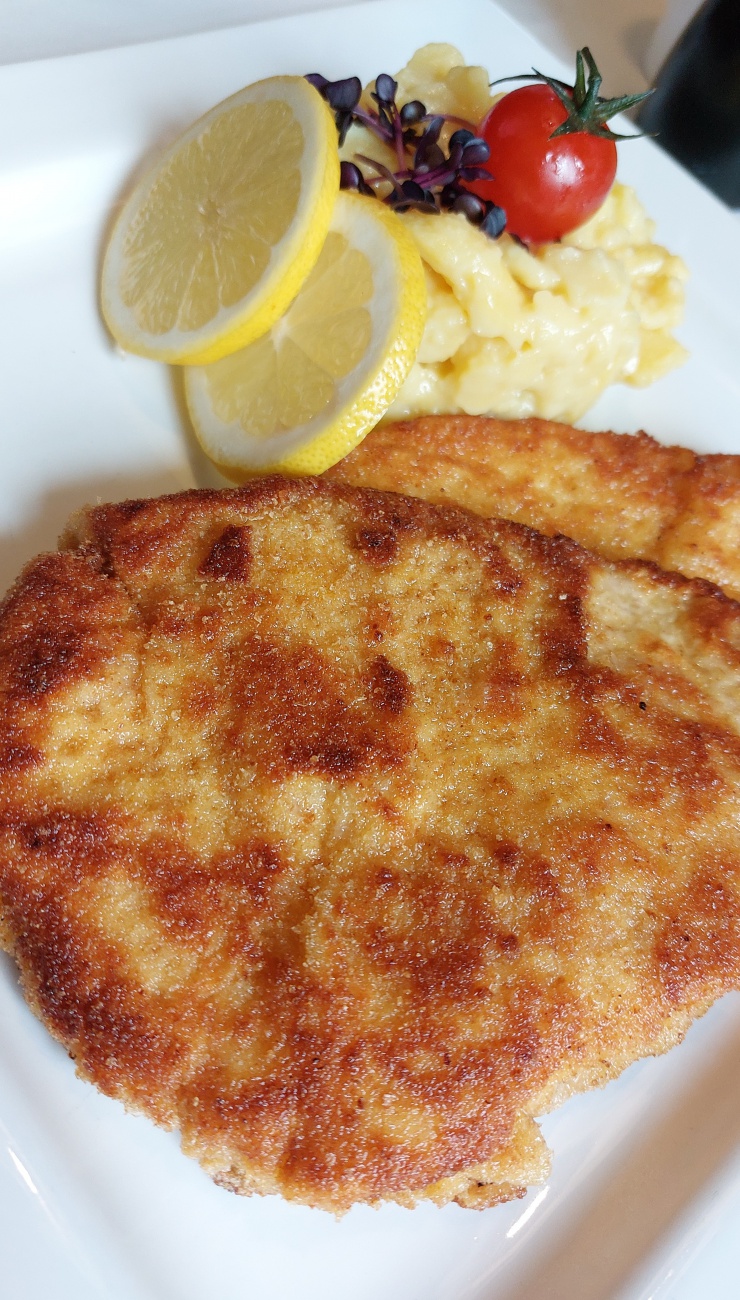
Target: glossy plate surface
96,1204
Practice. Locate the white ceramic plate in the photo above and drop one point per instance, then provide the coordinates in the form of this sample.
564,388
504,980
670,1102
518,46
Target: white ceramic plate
95,1203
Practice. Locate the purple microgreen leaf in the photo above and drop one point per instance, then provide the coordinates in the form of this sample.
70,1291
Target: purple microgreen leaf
474,174
412,112
476,151
413,190
470,205
351,178
449,193
428,157
349,175
386,118
461,138
454,162
343,123
373,124
343,96
414,195
494,222
433,128
317,81
385,89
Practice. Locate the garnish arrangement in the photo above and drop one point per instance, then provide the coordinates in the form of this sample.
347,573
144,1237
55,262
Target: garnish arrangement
303,316
540,145
428,176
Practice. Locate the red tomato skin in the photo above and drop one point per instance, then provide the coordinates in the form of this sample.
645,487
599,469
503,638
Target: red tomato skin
546,187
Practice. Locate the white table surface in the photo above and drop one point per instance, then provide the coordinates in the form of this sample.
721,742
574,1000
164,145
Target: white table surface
620,35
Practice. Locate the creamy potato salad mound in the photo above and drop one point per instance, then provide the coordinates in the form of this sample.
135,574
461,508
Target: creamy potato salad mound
513,331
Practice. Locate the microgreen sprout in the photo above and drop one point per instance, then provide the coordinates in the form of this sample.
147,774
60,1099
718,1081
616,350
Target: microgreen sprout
428,175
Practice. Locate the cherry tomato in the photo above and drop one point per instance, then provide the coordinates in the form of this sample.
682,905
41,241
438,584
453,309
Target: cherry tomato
546,187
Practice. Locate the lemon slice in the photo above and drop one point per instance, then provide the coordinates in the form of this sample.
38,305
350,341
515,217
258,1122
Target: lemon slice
302,396
214,243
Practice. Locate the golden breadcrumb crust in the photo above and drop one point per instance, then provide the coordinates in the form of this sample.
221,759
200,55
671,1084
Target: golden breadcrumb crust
623,495
346,833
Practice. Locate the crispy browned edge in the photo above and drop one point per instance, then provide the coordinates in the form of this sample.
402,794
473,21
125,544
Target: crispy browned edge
620,495
65,592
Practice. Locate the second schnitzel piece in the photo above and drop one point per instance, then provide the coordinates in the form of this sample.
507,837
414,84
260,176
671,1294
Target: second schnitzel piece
622,494
347,833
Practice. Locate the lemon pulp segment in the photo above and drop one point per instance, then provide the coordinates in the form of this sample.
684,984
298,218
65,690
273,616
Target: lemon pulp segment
300,397
203,241
292,372
213,244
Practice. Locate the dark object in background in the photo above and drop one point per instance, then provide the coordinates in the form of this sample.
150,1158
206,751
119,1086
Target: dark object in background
695,110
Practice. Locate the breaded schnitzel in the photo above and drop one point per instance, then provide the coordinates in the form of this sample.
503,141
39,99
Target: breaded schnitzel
622,495
347,833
